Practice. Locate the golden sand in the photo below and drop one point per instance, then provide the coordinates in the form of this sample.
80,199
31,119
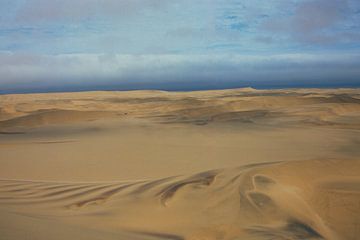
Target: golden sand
228,164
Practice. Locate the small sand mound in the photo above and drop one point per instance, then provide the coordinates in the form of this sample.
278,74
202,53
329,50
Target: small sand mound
55,116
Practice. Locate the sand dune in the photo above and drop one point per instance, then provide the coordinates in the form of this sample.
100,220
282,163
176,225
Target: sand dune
54,116
226,164
317,107
259,201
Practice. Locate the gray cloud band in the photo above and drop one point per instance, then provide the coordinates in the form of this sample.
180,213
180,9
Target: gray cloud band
47,70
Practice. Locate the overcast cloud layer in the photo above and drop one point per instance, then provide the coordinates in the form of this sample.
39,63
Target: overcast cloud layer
77,44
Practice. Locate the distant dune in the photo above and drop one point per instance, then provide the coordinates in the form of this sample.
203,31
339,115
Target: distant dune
227,164
304,106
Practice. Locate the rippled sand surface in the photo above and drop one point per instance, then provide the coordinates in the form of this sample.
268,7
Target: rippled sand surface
227,164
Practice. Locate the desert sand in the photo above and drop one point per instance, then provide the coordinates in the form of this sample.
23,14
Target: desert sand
225,164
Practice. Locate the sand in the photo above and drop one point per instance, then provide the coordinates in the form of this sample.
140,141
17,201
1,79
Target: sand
225,164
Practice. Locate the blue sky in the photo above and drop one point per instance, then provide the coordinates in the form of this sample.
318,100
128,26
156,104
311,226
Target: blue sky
67,43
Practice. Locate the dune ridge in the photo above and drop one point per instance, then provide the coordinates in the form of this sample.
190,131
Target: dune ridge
294,106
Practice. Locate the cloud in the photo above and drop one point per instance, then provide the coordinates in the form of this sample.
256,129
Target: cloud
184,26
80,43
315,21
69,10
21,71
312,16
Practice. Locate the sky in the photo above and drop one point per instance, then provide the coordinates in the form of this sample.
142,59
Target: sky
64,45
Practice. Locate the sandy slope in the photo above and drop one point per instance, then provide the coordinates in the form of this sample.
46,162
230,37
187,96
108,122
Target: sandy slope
260,201
230,164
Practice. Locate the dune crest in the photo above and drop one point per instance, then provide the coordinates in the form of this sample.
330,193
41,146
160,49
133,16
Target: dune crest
294,107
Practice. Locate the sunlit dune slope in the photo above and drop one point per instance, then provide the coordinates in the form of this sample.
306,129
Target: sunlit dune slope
299,200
